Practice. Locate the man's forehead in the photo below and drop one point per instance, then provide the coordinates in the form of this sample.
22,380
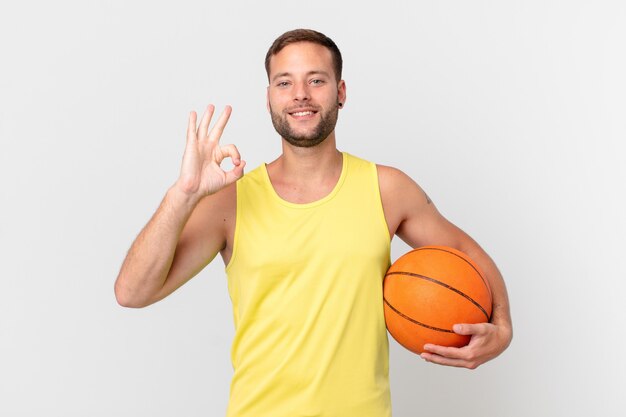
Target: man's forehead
296,57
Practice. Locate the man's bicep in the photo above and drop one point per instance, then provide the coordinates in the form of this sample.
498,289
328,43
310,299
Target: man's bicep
411,213
422,224
425,226
201,239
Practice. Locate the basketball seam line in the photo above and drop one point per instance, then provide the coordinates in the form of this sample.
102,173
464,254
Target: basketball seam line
443,284
415,321
460,257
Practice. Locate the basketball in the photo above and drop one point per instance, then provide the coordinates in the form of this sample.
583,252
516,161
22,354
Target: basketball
428,290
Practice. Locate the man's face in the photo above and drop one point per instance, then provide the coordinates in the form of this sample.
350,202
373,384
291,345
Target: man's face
303,94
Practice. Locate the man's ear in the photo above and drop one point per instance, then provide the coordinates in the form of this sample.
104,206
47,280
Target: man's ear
341,93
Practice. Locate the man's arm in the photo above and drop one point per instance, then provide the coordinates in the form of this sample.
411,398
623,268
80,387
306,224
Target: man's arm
188,229
414,218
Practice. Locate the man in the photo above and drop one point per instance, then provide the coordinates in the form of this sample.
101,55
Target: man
305,240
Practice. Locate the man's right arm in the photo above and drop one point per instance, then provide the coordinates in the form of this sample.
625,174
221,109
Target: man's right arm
188,229
180,239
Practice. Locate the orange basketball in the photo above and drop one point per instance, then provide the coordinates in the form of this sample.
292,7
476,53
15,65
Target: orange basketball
427,291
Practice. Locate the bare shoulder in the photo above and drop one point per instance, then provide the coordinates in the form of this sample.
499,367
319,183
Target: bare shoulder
397,185
400,194
389,176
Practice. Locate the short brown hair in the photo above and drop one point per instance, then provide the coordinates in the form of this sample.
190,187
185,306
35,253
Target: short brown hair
305,35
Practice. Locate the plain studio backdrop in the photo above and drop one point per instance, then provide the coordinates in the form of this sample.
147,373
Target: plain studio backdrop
510,114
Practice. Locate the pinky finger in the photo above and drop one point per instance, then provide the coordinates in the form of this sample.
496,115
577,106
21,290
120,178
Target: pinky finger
442,360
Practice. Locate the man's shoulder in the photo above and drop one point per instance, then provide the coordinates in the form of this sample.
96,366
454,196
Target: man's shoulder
398,188
389,178
393,178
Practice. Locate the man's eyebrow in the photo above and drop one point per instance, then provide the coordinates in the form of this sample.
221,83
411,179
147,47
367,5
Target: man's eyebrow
287,74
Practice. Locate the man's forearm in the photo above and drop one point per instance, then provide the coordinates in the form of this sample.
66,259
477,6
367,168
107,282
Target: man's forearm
500,314
149,259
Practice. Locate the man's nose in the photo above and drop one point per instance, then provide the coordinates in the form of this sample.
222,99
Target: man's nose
301,92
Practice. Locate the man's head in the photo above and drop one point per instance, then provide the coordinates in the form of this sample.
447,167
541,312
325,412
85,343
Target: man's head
305,88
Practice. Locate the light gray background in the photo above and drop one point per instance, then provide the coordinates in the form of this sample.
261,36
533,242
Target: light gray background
509,114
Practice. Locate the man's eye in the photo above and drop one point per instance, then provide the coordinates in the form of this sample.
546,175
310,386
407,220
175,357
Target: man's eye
282,84
317,81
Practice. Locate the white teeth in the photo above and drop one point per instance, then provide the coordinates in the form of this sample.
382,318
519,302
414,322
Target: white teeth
302,113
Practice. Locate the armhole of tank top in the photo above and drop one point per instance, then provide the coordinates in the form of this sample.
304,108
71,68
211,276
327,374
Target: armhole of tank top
381,210
237,227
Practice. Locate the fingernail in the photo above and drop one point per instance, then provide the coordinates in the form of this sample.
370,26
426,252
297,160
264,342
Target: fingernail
457,328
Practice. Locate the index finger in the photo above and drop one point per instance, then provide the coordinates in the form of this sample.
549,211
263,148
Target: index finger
468,329
218,128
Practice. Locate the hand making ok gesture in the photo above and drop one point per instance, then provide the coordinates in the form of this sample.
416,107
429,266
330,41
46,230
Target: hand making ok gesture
201,173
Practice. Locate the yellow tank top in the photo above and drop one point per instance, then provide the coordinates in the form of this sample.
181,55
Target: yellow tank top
305,282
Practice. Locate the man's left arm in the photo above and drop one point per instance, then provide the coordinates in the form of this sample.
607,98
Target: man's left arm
414,218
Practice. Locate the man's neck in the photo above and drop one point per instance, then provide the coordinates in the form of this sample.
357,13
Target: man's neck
308,166
304,175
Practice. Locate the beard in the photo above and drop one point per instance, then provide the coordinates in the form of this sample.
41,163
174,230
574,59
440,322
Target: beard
327,123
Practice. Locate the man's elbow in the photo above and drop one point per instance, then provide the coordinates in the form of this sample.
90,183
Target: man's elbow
126,298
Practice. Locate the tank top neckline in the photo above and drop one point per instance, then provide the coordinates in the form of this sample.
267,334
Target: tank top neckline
328,197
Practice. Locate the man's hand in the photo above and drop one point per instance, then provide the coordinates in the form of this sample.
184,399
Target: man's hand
487,341
201,174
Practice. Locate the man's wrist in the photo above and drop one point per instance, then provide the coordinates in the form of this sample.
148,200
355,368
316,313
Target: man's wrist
180,197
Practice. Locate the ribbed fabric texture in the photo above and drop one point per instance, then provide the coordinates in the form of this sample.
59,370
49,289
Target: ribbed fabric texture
305,282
